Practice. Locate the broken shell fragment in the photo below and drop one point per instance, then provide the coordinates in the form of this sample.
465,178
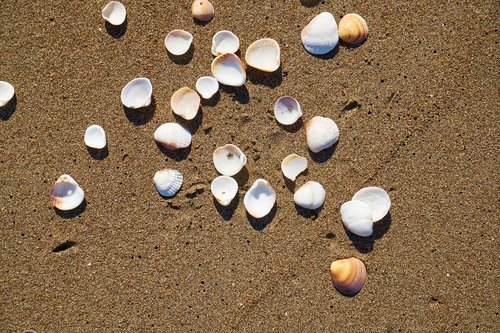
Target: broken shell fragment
322,133
293,165
172,136
377,199
207,86
229,160
178,42
137,93
202,10
311,195
287,110
168,182
320,36
224,189
6,93
225,41
95,137
264,54
259,199
185,102
348,275
229,70
357,217
353,29
114,13
66,193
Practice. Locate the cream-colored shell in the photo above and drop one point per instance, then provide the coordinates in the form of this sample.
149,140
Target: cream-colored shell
225,41
172,136
229,70
320,36
229,160
353,29
202,10
293,165
264,54
311,195
224,189
357,217
185,102
178,42
322,133
6,93
114,12
66,193
260,198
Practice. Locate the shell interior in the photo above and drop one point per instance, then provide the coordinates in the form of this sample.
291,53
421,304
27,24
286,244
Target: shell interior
311,195
207,86
229,160
95,137
322,133
287,110
114,13
172,136
377,199
357,217
348,275
259,199
137,93
168,182
178,42
6,93
185,102
320,36
264,54
293,165
66,193
228,69
225,41
224,189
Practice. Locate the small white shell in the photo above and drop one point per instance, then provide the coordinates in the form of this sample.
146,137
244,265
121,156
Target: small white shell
202,10
185,102
287,110
377,199
95,137
229,70
293,165
264,54
260,198
6,93
137,93
66,193
357,217
178,42
320,36
224,189
114,13
173,136
322,133
229,160
168,182
311,195
225,41
207,86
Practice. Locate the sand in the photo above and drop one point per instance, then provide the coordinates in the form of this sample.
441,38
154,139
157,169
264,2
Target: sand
417,107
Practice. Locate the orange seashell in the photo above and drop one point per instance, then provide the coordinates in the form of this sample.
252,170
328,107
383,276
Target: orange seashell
353,29
348,275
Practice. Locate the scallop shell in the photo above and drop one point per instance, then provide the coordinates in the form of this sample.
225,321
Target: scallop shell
137,93
322,133
207,86
377,199
173,136
259,199
168,182
348,275
95,137
311,195
357,217
287,110
66,193
202,10
320,36
224,189
6,93
264,54
178,42
225,41
293,165
185,102
353,29
229,70
114,13
229,160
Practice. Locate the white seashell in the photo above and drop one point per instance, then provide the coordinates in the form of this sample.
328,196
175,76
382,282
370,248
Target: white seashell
225,41
202,10
173,136
229,160
178,42
207,86
185,102
320,36
264,54
357,217
229,70
224,189
137,93
114,13
95,137
287,110
259,199
66,193
377,199
322,133
6,93
311,195
168,182
293,165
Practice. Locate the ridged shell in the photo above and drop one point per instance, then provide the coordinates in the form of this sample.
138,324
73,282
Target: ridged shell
260,198
137,93
348,275
6,93
287,110
229,160
353,29
95,137
66,193
264,54
377,199
225,41
224,189
114,13
229,70
168,182
311,195
293,165
202,10
320,36
173,136
178,42
357,217
207,86
185,102
322,133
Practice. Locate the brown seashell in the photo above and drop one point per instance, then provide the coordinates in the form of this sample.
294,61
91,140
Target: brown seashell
353,29
348,275
202,10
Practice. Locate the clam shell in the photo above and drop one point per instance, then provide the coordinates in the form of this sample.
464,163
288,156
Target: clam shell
173,136
264,54
229,160
66,193
293,165
202,10
348,275
225,41
259,199
229,70
137,93
353,29
168,182
207,86
322,133
95,137
224,189
357,217
311,195
320,36
114,13
185,102
178,42
287,110
6,93
377,199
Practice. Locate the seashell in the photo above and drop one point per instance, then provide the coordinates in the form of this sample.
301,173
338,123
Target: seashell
229,160
287,110
202,10
137,93
348,275
322,133
264,54
225,41
320,36
168,182
224,189
66,193
6,93
229,70
293,165
95,137
114,13
185,102
207,86
259,199
178,42
353,29
172,136
311,195
357,217
377,199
